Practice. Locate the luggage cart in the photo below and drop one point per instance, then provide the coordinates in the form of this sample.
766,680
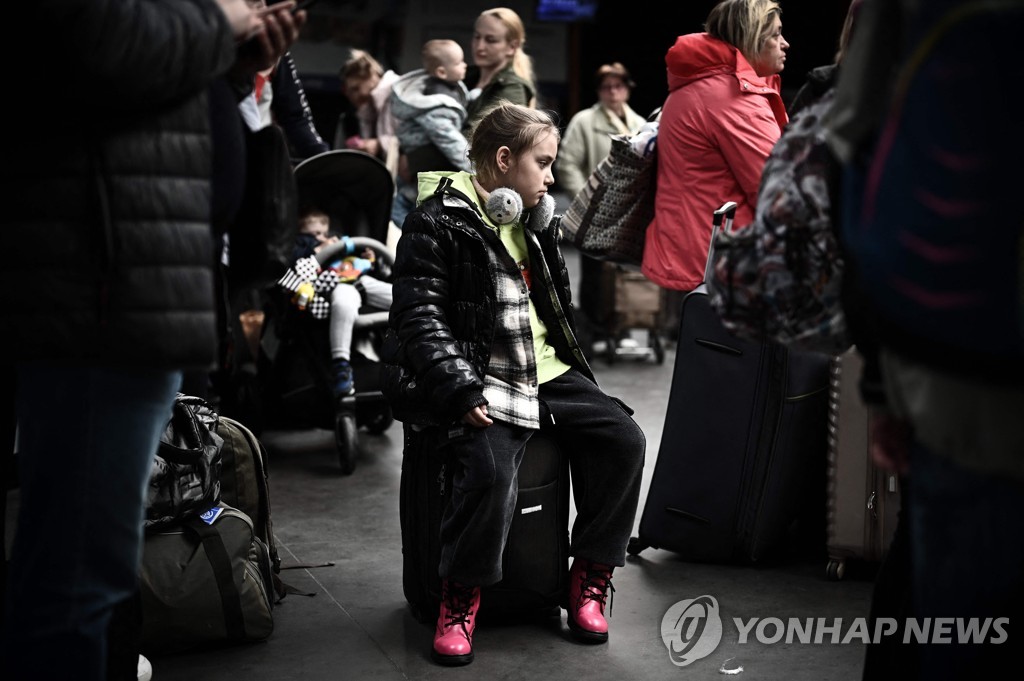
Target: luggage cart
622,312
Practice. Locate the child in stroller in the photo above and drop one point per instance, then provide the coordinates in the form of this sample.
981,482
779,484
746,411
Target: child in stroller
319,366
344,285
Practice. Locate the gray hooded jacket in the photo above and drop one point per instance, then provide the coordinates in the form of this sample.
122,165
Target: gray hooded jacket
429,119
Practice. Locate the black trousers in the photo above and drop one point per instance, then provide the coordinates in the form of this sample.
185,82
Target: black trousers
606,453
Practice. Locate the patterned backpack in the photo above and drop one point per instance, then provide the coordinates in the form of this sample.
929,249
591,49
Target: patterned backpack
781,276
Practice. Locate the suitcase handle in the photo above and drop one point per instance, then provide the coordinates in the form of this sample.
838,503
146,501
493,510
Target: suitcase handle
726,212
722,218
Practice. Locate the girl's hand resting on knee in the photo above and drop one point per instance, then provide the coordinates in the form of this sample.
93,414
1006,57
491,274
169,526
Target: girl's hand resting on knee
477,416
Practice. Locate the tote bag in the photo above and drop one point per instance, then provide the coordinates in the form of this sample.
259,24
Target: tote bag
608,218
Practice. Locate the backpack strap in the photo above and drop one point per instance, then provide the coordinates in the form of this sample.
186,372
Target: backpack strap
217,554
263,524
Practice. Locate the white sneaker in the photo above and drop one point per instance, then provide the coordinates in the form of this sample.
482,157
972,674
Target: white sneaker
145,669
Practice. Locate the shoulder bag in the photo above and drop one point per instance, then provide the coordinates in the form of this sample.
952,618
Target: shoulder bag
608,218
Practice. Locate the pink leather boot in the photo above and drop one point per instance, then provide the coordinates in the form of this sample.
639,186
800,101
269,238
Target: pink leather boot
453,637
590,584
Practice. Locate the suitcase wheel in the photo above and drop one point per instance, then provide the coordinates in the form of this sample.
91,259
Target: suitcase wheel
659,349
835,570
635,546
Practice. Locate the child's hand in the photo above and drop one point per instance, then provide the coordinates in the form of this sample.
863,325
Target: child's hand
303,295
325,241
372,146
477,416
361,264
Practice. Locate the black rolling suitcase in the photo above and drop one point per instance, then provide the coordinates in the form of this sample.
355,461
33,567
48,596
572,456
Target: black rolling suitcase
536,558
742,454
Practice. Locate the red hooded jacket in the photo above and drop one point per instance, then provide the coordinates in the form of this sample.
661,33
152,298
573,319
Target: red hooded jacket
718,125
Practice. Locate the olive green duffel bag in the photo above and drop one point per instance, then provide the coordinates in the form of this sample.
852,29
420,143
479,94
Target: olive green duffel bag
206,581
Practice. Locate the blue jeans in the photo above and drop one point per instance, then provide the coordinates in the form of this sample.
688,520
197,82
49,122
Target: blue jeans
967,543
403,203
86,442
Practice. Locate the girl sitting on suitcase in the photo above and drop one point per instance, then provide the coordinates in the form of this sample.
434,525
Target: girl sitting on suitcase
481,346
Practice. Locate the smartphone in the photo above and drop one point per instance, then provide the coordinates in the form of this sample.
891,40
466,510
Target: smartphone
304,4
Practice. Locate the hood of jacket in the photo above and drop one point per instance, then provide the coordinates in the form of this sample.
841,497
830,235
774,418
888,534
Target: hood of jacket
540,218
382,93
462,181
698,55
409,100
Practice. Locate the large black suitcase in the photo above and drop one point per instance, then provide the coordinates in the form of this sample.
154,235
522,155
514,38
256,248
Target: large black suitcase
536,559
742,454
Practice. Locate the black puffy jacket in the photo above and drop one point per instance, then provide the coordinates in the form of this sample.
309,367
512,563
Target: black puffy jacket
104,236
441,328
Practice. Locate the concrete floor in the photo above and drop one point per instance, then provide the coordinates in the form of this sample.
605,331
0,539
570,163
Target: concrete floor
358,626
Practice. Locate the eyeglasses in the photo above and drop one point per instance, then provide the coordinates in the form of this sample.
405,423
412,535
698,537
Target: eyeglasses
608,87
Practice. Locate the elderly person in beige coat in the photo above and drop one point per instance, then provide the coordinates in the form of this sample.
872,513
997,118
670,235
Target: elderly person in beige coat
586,143
587,138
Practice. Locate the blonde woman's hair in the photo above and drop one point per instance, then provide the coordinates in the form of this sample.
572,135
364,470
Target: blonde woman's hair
522,63
847,32
360,66
745,24
507,125
437,53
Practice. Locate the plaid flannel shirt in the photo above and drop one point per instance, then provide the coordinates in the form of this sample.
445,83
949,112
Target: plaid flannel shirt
510,385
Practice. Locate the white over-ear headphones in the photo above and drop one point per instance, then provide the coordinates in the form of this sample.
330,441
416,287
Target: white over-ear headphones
505,205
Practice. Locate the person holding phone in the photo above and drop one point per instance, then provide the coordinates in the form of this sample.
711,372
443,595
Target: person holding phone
278,98
126,303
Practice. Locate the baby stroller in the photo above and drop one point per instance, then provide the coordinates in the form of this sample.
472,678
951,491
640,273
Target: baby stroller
356,191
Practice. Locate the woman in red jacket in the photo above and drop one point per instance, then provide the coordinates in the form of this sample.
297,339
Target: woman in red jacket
721,119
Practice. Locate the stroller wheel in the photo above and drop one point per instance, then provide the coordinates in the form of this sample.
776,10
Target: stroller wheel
346,440
380,421
659,348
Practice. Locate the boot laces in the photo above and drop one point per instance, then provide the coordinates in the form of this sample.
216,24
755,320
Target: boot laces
458,599
597,586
